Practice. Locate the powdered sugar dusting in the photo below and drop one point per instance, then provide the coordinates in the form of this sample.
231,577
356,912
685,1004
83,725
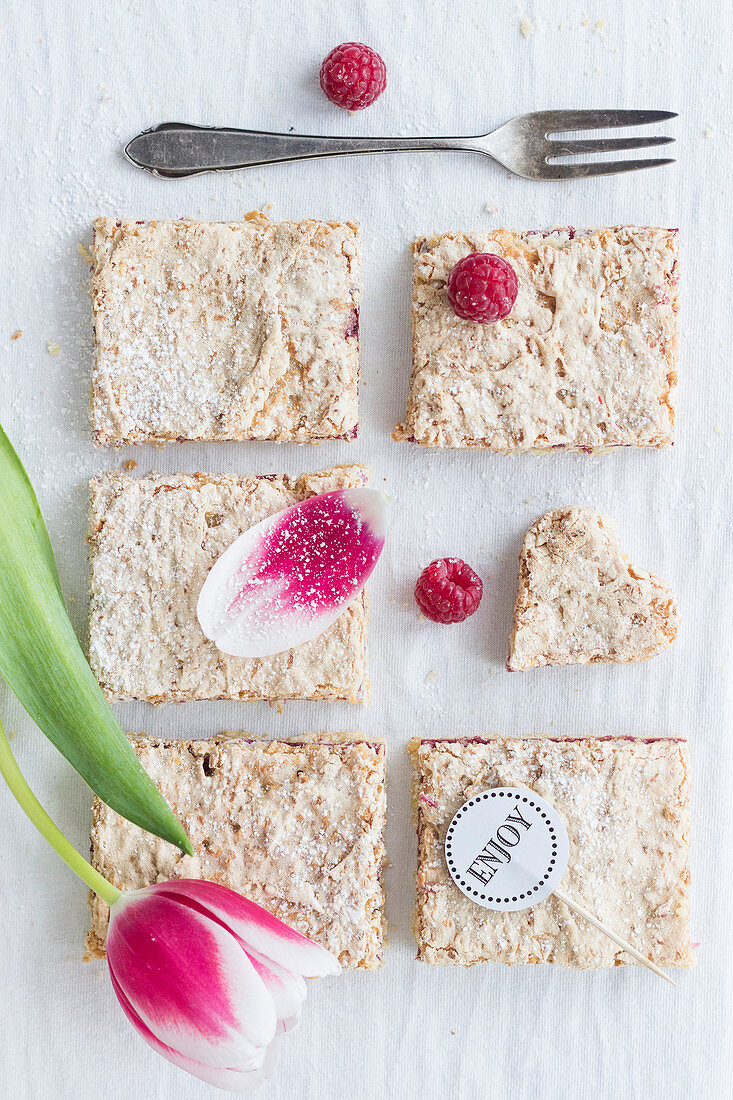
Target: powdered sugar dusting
596,316
217,331
625,803
153,541
289,577
296,827
578,600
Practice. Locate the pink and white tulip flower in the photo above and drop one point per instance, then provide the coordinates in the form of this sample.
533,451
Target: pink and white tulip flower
209,979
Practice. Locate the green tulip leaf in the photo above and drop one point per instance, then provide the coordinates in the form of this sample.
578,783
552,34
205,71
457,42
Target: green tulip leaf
44,665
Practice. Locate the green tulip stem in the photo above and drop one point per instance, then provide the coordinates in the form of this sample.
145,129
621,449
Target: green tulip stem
33,809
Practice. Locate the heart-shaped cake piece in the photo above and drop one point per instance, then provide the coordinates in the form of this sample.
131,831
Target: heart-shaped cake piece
580,602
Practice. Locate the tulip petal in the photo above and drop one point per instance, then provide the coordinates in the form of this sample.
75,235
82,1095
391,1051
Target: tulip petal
188,979
232,1080
287,578
255,926
286,988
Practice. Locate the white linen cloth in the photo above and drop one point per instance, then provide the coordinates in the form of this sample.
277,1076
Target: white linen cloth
79,80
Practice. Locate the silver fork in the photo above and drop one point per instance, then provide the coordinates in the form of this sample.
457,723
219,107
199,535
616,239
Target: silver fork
523,145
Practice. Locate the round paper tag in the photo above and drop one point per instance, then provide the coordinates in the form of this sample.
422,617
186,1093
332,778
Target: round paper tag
507,848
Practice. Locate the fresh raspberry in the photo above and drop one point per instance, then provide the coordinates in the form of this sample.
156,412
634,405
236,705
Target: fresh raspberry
448,590
482,287
353,75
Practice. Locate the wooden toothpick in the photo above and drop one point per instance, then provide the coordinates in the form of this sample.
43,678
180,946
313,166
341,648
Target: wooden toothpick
612,935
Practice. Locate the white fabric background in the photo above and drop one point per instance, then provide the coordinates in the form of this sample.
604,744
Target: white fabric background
80,79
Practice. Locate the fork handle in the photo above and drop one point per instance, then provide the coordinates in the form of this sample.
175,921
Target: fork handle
175,149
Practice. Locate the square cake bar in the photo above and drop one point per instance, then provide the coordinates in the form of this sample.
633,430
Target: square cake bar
214,331
294,826
625,805
152,543
586,360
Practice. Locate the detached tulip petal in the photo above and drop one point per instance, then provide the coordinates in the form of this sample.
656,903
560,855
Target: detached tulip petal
255,926
189,980
286,579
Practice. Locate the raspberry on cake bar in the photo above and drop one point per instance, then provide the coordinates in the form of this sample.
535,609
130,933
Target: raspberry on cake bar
296,826
215,331
580,602
152,543
585,360
625,803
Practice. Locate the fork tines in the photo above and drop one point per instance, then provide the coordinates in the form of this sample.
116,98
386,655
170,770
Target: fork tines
565,122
